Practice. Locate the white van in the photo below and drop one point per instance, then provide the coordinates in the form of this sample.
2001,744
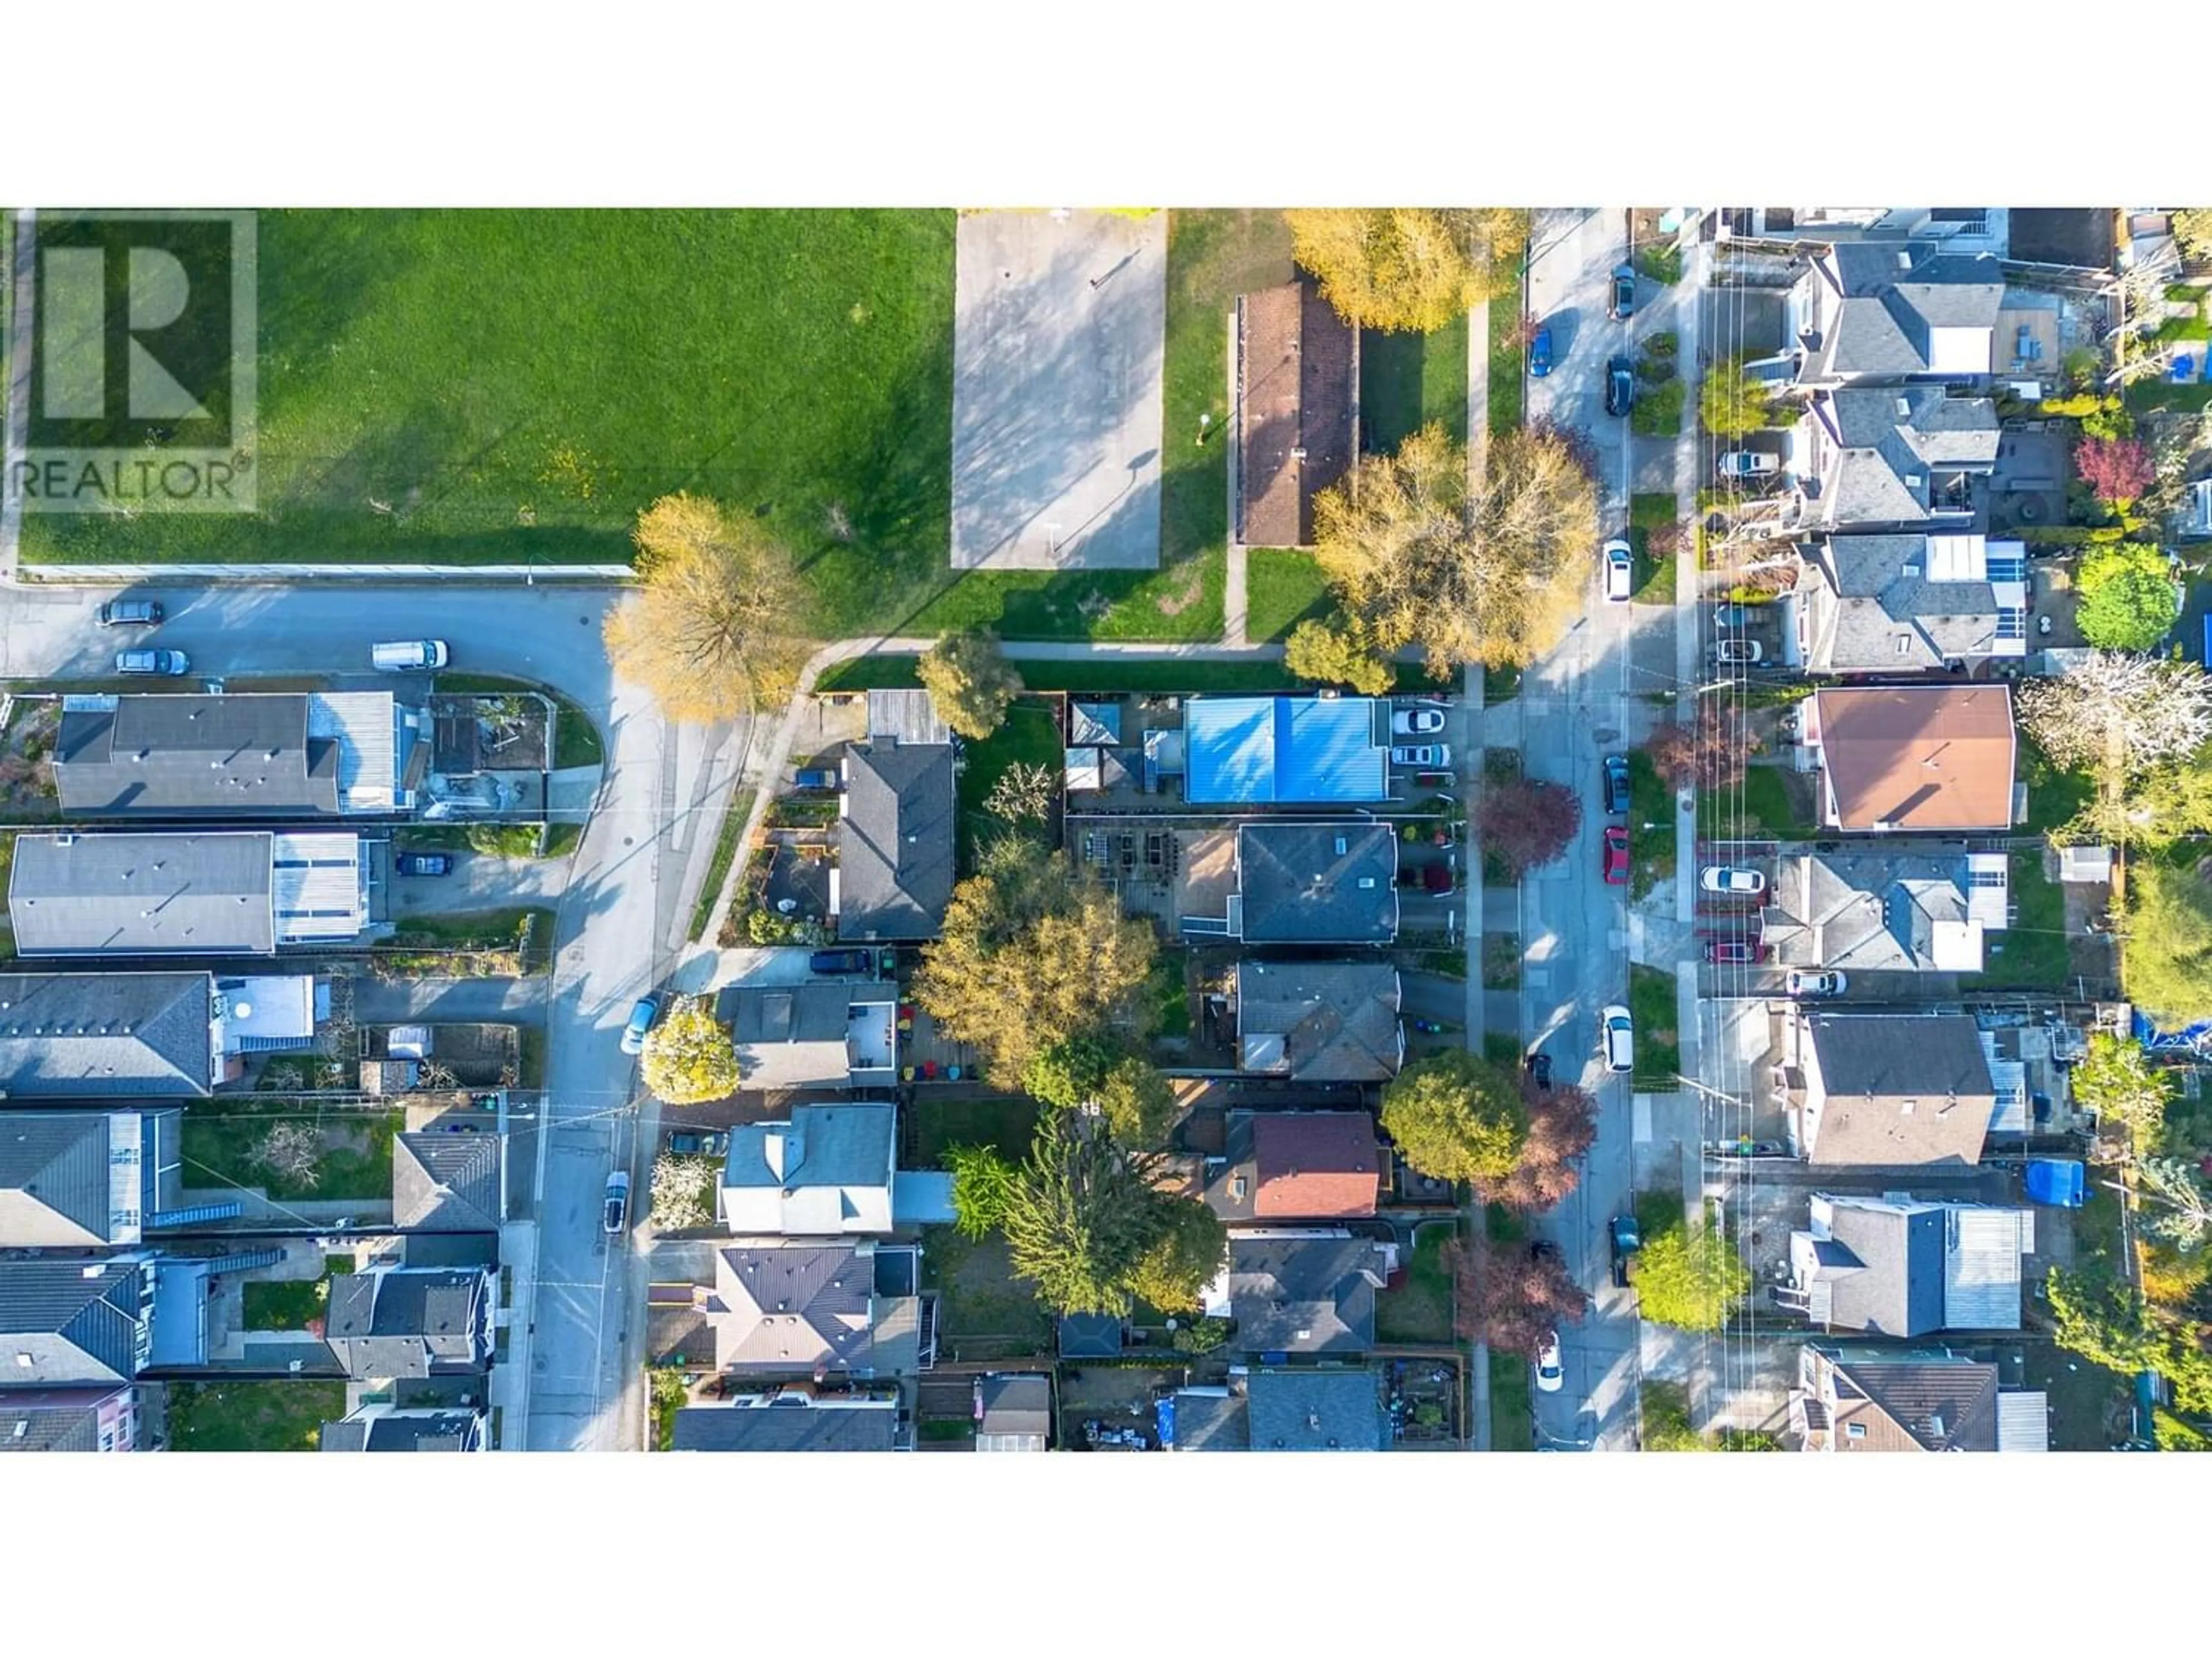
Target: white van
1617,1036
406,656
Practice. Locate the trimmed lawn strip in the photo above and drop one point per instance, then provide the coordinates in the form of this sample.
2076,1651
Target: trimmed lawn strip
1031,733
1650,825
1007,1122
1512,1409
1408,380
1653,579
734,815
235,1416
1283,588
284,1304
469,944
1419,1312
2031,955
1760,805
1651,1003
1507,364
223,1138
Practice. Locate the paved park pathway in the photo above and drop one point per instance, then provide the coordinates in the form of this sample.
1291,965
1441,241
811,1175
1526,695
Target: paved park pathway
22,267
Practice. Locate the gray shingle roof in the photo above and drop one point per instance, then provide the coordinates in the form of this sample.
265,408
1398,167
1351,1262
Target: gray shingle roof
77,1320
408,1321
235,757
66,1035
1320,1410
1890,446
1089,1336
1884,1268
786,1428
50,1419
845,1144
1319,1021
1875,602
1303,1295
53,1179
445,1183
406,1431
895,841
142,895
1211,1422
1882,315
1899,1089
1865,911
783,1308
1018,1404
1305,884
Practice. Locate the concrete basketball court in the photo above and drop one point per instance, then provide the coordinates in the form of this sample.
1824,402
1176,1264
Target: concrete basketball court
1060,325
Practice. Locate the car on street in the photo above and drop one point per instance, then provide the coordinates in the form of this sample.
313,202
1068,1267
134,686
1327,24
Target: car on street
817,777
424,864
1616,855
641,1016
839,961
1620,566
1620,296
700,1143
1421,754
1738,651
1732,952
152,662
1620,385
1416,722
1616,783
131,613
1539,1068
1626,1242
1617,1036
1551,1376
405,656
1540,353
1748,463
1731,879
618,1205
1801,984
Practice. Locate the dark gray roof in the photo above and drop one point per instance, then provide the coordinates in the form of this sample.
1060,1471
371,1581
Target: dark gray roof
813,1012
53,1179
1882,313
1014,1403
1938,1402
408,1321
1867,910
133,895
783,1308
1293,1295
79,1035
1304,883
1334,1022
1899,1089
1891,444
895,841
793,1426
406,1431
234,757
1320,1410
78,1321
51,1419
1881,594
1211,1422
445,1183
1889,1280
1089,1336
846,1145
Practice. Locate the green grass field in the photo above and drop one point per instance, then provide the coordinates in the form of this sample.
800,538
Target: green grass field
1031,734
1651,1003
1507,385
1654,579
1408,380
223,1138
1282,587
2031,955
1007,1122
233,1416
1419,1312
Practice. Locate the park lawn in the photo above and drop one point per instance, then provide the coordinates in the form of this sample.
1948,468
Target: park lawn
1418,1313
1007,1122
1650,825
234,1417
1652,1006
1407,381
1283,587
1760,805
2030,955
223,1136
1031,733
1508,361
1652,579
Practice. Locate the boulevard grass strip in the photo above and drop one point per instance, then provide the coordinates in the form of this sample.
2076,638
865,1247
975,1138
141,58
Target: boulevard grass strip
1283,587
1651,1005
1650,826
1507,389
1654,579
739,809
1407,380
230,1416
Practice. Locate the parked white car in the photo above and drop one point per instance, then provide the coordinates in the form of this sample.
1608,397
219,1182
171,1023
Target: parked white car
1421,754
1416,722
1738,651
1619,565
1816,985
1550,1374
1617,1037
1749,464
1730,878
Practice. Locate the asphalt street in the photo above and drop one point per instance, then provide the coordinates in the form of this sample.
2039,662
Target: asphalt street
658,812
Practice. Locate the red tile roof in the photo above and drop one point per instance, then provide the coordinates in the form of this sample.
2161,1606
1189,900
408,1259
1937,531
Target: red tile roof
1315,1164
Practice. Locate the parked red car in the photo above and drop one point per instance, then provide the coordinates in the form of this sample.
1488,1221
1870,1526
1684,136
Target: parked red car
1733,950
1616,855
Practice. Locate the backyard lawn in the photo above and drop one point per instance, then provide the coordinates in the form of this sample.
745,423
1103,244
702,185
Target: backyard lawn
1007,1122
234,1417
1652,1006
1419,1312
2031,954
1031,733
223,1139
1283,587
1407,380
287,1304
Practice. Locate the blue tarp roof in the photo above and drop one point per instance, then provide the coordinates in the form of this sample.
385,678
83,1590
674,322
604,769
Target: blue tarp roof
2196,1038
2056,1181
1284,749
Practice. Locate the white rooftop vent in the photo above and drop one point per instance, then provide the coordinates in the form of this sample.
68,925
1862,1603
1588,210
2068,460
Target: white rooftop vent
1904,406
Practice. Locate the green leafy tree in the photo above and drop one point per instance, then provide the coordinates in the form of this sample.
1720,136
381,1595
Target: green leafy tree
1034,953
2165,961
1186,1254
1690,1279
1457,1117
1138,1103
2117,1081
1409,268
1071,1072
1731,404
2097,1316
1666,1426
1201,1336
970,681
1342,652
1080,1218
2177,1208
689,1056
983,1187
2192,228
2129,600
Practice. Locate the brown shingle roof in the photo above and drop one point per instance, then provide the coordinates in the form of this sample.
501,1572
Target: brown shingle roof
1918,757
1312,1165
1296,369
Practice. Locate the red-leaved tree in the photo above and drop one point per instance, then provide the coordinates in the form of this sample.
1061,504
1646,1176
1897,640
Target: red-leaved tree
1527,822
1709,749
1509,1297
2117,469
1562,1125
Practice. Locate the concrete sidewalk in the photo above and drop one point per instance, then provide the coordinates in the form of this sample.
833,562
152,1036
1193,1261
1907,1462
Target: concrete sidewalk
510,1378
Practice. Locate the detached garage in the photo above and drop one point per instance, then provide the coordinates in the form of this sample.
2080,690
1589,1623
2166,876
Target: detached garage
1287,750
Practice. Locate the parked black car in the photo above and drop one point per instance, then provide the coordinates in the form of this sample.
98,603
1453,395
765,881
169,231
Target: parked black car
131,613
841,961
1626,1242
1620,385
424,864
1621,303
1616,783
711,1143
1539,1066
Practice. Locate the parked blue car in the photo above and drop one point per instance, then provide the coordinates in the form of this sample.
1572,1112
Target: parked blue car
1540,353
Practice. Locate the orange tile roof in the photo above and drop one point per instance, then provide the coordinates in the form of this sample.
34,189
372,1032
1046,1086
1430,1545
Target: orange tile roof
1918,757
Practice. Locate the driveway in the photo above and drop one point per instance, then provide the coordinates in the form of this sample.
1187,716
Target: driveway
478,882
